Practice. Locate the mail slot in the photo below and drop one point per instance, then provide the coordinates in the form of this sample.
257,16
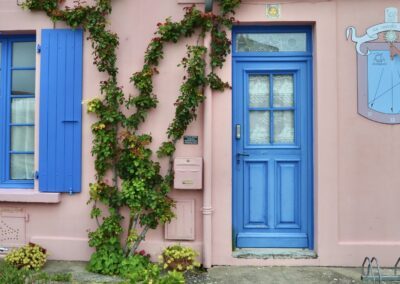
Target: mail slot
188,173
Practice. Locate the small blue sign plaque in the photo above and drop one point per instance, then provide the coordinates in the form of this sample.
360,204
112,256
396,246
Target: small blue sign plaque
190,140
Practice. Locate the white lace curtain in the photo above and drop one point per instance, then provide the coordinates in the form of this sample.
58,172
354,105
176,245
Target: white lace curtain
22,138
283,96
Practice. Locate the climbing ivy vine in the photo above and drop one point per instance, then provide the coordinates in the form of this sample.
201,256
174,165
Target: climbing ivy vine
120,150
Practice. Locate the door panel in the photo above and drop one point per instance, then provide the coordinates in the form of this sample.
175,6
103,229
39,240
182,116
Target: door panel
288,195
272,153
256,198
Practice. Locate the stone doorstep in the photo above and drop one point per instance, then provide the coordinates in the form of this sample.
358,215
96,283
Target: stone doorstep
274,253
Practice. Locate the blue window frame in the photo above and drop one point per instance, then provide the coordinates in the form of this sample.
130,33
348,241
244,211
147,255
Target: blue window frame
17,111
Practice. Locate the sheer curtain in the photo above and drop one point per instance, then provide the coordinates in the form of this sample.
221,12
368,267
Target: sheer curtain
22,138
283,91
259,120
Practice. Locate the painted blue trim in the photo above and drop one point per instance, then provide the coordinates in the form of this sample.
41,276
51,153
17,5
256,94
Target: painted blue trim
240,58
5,111
27,96
21,124
22,68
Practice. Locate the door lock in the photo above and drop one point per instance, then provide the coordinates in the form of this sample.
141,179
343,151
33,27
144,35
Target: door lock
238,131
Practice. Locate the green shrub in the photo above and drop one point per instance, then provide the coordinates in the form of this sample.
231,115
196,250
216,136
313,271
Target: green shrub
11,275
179,258
135,267
173,277
139,269
105,262
30,256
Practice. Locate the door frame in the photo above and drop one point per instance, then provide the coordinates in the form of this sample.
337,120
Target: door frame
274,57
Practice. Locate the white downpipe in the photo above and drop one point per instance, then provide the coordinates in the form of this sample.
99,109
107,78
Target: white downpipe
207,156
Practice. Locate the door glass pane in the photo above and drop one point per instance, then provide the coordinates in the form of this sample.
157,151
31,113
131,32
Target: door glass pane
23,54
259,90
283,127
259,127
21,166
23,82
271,42
283,91
22,138
23,110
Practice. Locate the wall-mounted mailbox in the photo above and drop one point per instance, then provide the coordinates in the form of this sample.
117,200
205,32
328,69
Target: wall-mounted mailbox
188,173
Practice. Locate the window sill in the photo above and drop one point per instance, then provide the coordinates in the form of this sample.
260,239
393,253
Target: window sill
28,196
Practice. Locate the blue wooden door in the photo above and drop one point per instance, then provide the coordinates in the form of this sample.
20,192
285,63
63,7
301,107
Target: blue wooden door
272,151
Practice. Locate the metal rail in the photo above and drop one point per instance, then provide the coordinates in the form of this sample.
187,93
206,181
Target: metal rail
371,271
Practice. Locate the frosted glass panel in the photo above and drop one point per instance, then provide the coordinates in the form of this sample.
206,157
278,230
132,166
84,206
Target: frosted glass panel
271,42
23,110
259,127
22,138
23,82
23,54
283,91
21,166
259,90
284,127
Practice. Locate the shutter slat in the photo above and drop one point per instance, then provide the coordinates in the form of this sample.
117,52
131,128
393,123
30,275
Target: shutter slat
60,111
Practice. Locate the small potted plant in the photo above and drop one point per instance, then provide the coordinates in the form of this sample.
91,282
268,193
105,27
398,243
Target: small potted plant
179,258
30,256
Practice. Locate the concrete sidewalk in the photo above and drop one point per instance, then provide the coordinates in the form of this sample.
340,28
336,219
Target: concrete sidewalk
298,275
229,274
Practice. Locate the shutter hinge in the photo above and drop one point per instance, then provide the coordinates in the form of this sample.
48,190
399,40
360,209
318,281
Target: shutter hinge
38,48
36,174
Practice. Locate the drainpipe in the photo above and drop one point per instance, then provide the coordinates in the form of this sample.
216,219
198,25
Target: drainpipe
207,156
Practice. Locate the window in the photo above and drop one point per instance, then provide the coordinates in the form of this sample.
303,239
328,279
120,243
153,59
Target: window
271,108
59,127
271,42
17,111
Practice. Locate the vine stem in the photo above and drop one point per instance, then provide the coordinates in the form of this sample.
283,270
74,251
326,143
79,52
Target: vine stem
127,237
97,217
140,239
116,160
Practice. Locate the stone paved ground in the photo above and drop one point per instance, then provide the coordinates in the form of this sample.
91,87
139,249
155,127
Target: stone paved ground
231,275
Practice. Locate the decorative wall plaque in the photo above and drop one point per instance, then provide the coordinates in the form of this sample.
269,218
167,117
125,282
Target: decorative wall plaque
378,68
273,11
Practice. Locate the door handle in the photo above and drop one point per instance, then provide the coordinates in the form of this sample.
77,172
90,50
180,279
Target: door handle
239,154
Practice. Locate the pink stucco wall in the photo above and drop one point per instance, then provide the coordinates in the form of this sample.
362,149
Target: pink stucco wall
356,160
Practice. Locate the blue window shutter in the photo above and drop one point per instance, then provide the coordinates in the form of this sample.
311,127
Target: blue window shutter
60,129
